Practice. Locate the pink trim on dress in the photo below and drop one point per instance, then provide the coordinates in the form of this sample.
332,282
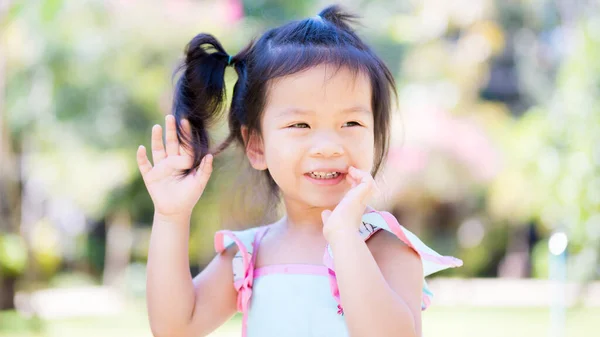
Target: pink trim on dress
335,290
426,302
304,269
396,228
220,247
244,287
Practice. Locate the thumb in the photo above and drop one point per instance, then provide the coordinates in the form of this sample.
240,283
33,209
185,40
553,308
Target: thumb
325,216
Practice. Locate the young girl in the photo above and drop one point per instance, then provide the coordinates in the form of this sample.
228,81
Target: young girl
311,107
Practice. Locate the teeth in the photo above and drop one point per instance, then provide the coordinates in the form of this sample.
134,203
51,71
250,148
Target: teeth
324,175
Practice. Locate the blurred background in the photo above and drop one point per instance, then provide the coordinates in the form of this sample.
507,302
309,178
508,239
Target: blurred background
495,156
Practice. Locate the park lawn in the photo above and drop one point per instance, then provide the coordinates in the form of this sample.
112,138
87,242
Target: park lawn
437,321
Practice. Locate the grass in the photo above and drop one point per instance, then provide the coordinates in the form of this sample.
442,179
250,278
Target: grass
502,322
440,321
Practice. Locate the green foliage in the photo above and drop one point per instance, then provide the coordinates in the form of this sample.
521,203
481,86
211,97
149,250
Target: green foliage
13,255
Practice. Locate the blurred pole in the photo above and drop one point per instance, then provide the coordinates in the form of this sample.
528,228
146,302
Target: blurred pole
119,242
569,12
557,246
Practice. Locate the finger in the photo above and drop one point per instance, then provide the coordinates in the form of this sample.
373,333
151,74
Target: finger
354,176
363,190
171,136
158,149
201,166
187,131
364,185
365,177
205,170
351,180
356,173
142,160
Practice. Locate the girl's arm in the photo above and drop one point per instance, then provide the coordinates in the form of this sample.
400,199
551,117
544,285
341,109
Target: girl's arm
177,305
380,288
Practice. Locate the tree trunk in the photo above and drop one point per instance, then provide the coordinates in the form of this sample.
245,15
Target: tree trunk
7,293
119,240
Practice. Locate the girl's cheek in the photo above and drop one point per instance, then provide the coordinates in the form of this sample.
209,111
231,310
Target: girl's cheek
279,151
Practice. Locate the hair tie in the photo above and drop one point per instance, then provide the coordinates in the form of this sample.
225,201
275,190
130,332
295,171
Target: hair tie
229,61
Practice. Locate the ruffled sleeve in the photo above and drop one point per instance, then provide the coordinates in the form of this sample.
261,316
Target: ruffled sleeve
433,262
242,262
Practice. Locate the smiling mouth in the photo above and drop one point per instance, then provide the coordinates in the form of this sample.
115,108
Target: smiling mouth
324,175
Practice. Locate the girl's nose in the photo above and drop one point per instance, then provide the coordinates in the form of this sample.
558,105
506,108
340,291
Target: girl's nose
326,146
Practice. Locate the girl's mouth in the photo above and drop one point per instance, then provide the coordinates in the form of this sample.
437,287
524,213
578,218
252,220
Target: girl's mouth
325,178
324,175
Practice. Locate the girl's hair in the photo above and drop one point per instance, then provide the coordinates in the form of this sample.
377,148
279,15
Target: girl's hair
296,46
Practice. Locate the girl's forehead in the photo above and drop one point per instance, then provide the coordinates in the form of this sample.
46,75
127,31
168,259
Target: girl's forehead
322,84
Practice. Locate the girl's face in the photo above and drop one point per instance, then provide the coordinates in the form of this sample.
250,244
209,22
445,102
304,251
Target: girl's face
313,128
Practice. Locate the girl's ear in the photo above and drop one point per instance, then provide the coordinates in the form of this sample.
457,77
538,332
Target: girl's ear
254,149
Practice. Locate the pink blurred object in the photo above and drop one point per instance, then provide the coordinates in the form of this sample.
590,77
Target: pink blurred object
432,130
234,10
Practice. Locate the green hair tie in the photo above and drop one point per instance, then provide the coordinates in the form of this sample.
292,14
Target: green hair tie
229,61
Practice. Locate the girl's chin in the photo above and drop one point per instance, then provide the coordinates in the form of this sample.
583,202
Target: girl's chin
322,201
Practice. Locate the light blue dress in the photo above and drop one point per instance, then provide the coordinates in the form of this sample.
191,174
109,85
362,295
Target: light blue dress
303,300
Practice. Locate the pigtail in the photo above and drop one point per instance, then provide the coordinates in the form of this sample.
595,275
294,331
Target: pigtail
237,110
199,93
339,18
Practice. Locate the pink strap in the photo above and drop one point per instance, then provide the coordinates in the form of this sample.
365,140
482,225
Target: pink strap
305,269
244,288
219,247
335,291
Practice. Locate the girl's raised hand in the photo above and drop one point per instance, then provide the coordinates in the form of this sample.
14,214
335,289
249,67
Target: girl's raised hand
171,194
347,215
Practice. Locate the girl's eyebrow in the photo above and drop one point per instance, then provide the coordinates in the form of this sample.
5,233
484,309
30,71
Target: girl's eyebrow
297,111
358,108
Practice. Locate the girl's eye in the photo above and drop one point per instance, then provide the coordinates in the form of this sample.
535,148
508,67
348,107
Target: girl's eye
353,123
299,126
